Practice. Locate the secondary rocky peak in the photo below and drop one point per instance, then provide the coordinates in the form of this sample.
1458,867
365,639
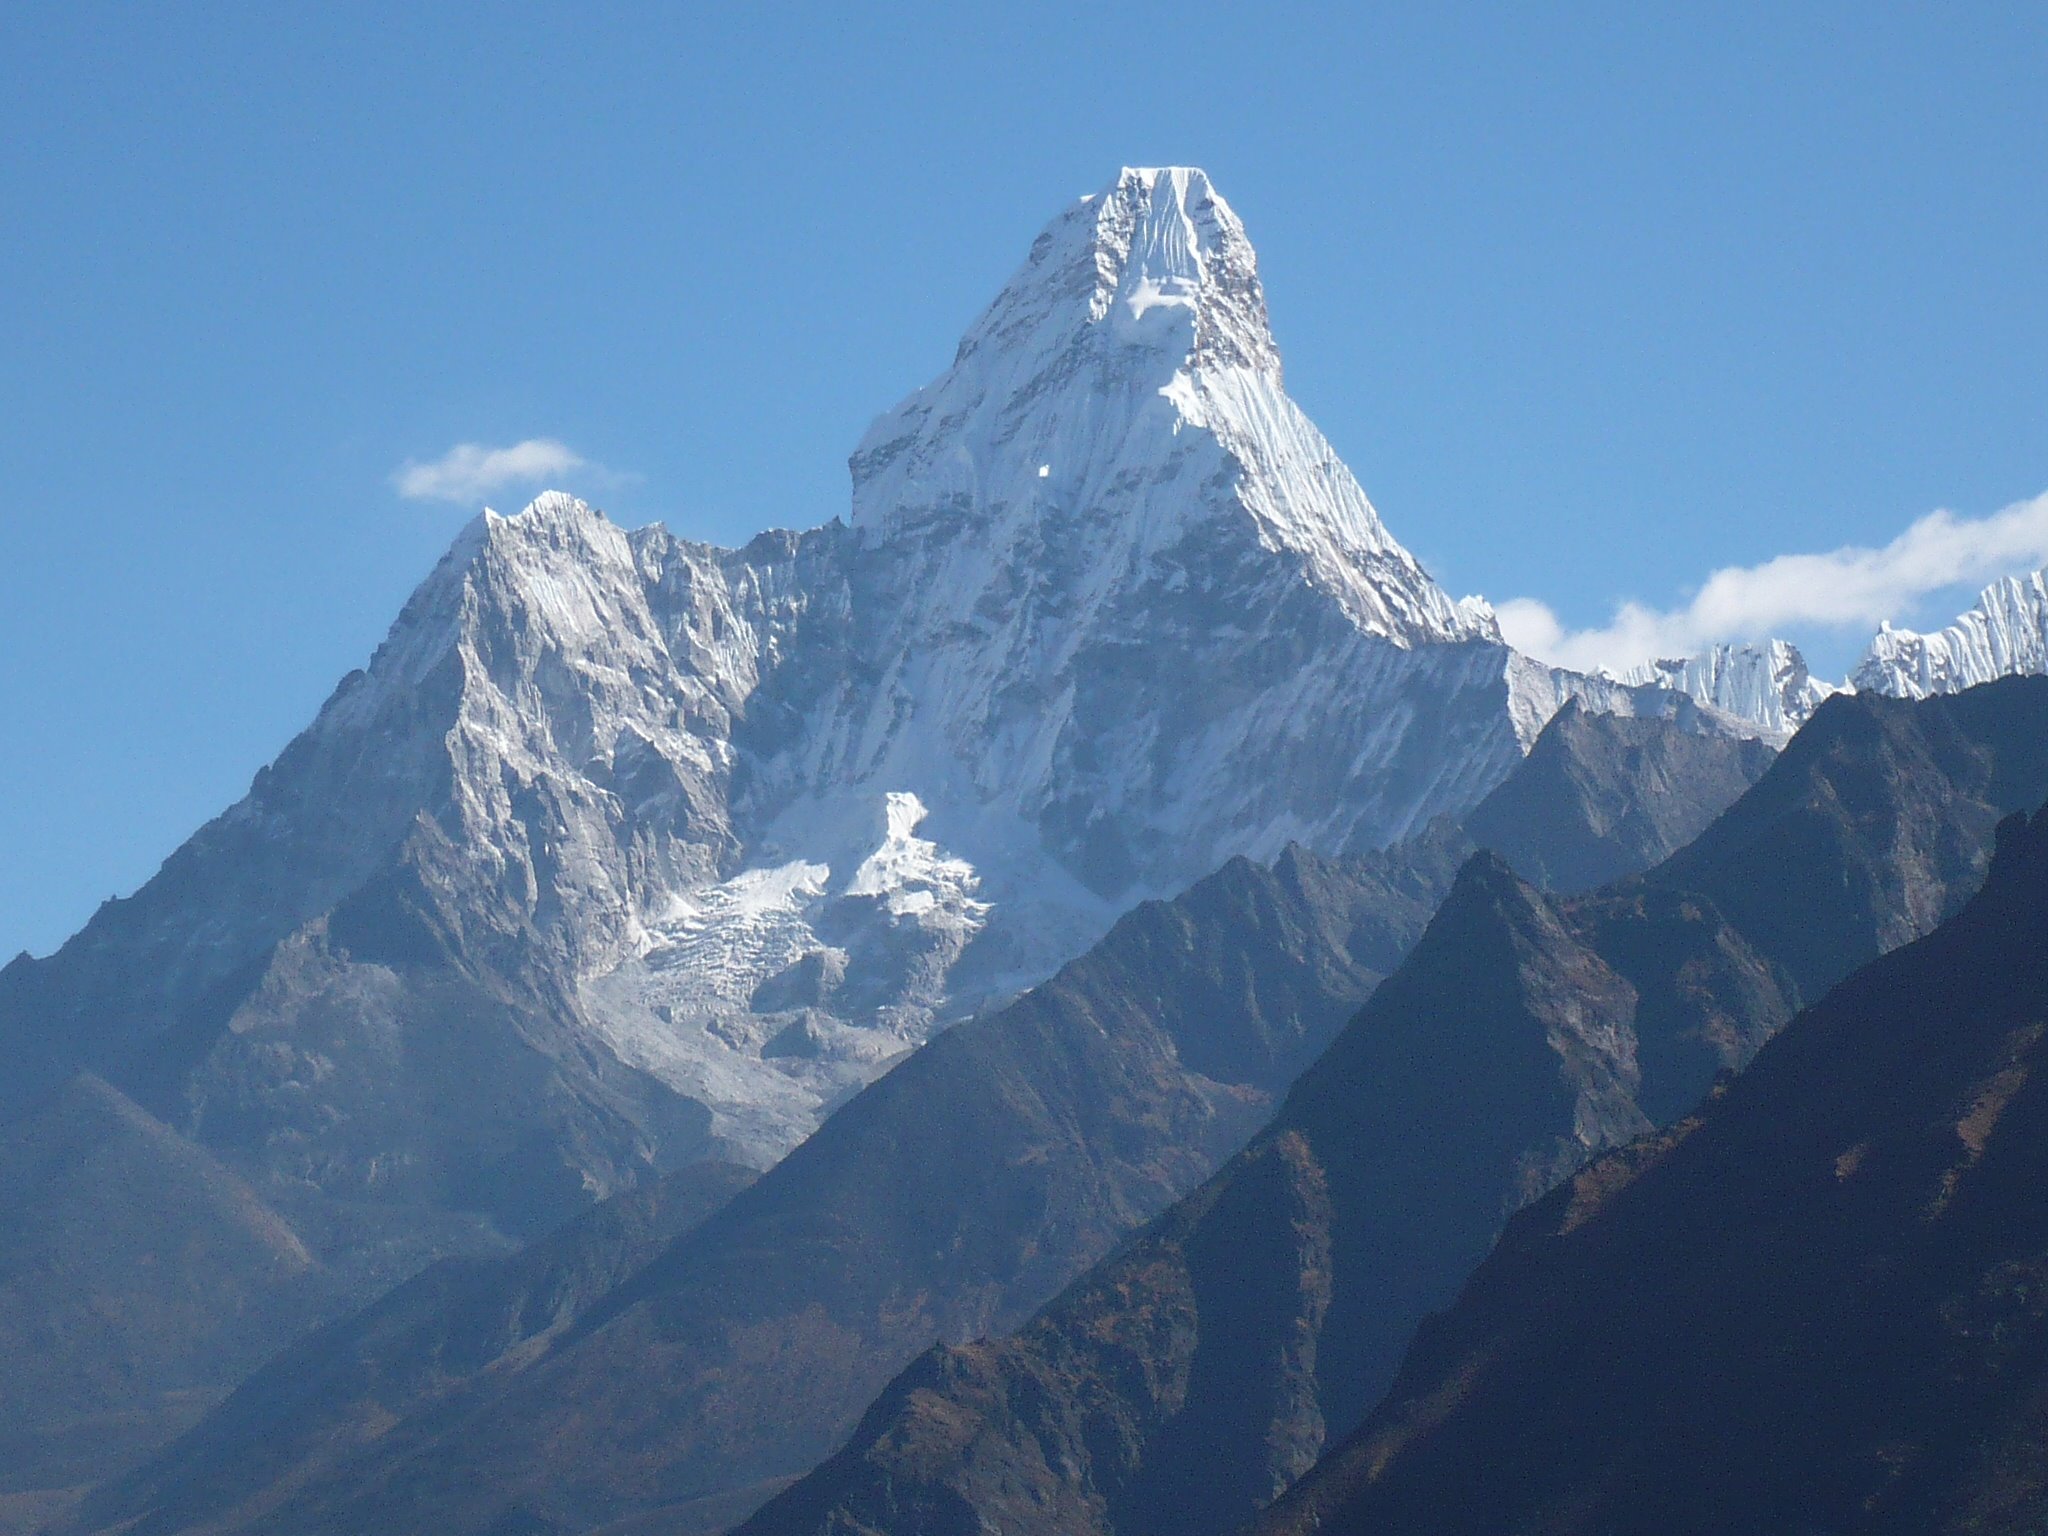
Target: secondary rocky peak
550,509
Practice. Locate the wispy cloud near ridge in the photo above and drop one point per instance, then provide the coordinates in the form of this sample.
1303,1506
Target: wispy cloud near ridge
1851,587
469,472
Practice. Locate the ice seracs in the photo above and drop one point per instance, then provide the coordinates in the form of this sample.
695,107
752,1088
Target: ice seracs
2006,633
1767,685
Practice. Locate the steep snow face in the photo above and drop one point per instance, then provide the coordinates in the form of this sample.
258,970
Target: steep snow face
1124,388
1128,612
2005,634
1767,686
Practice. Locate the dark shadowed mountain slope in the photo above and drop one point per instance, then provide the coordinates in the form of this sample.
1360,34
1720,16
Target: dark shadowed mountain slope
455,1321
1818,1304
956,1196
1190,1378
139,1279
1899,797
1600,797
1183,1384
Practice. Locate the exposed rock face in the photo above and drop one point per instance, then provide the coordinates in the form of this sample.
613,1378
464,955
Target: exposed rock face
1179,1385
1816,1303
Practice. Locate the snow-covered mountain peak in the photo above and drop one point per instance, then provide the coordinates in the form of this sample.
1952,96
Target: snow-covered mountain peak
722,832
1120,406
1176,272
1155,264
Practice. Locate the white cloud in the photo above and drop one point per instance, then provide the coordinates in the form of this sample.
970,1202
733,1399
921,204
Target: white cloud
1852,587
470,471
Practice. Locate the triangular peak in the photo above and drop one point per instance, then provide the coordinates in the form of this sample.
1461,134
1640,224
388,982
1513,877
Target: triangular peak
1122,396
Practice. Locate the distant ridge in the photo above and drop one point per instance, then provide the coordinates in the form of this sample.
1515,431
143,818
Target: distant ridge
1769,686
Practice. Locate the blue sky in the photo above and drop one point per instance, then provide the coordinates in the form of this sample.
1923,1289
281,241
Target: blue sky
1594,300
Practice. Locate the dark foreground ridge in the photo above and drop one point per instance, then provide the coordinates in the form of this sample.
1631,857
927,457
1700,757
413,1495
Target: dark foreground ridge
953,1196
1820,1303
